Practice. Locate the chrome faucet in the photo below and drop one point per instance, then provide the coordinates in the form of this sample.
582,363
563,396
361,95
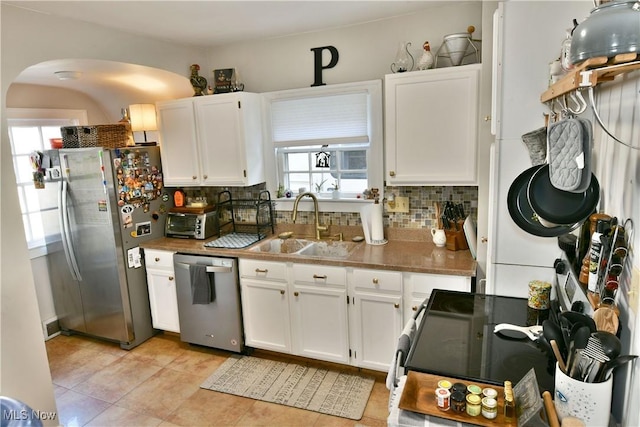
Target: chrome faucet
319,227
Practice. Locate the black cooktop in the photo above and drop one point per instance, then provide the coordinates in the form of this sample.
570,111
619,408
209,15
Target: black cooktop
456,339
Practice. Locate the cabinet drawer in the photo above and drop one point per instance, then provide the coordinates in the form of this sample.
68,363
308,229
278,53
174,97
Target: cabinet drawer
154,258
265,270
376,280
319,274
426,283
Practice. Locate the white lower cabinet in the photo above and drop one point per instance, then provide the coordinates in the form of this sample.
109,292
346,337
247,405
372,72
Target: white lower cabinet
376,317
337,314
162,290
319,322
265,305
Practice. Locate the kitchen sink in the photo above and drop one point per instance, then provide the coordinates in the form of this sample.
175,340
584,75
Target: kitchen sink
282,246
328,249
303,247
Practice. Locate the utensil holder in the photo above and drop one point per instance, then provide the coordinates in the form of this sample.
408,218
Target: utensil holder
456,239
590,402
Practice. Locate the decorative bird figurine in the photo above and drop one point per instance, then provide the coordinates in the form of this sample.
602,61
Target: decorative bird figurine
426,61
198,82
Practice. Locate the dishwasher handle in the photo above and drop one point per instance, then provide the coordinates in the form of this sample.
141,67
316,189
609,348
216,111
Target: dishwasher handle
210,268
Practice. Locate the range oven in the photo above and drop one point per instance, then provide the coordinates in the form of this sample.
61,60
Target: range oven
456,339
572,295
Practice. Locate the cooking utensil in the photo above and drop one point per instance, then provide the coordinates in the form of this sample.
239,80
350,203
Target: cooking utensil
606,320
611,345
552,415
559,358
552,332
565,328
579,318
610,30
533,332
577,342
613,364
522,213
556,207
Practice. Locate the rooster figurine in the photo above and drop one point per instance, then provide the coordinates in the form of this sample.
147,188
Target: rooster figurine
426,61
198,82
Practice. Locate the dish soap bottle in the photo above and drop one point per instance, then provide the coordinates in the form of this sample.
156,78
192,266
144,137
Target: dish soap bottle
178,198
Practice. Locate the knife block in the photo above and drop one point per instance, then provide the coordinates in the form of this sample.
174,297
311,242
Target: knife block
456,240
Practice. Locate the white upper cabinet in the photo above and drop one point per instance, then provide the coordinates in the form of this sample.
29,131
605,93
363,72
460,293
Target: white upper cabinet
431,121
212,140
178,142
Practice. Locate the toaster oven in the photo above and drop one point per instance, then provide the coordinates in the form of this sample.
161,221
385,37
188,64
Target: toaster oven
188,225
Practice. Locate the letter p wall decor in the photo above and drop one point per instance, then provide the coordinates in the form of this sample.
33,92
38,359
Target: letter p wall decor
317,62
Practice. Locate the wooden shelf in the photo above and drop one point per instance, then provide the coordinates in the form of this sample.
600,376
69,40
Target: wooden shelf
592,72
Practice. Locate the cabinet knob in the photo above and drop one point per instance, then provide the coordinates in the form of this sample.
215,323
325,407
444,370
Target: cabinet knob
157,259
414,308
484,240
206,176
295,294
375,280
392,173
170,278
281,291
194,177
487,118
396,305
319,276
261,270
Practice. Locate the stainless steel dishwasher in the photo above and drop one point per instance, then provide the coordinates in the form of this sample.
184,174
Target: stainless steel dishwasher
218,323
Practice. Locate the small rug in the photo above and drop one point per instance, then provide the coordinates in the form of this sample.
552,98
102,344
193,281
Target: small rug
320,390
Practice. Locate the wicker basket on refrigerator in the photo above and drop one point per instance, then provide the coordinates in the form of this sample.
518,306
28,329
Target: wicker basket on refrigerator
107,136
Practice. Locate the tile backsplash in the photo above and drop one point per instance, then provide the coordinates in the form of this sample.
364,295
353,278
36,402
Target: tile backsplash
421,205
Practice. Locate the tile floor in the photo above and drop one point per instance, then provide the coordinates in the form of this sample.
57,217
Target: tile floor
158,384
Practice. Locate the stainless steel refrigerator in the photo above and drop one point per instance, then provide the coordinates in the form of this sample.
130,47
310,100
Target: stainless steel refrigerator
109,201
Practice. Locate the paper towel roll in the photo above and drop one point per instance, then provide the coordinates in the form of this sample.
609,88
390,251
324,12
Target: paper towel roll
365,217
377,232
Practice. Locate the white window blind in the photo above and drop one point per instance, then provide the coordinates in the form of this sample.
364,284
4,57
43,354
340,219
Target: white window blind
322,120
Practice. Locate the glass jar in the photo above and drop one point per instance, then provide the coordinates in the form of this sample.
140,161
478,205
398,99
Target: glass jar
474,405
443,399
461,387
444,384
490,392
458,401
489,408
474,389
509,408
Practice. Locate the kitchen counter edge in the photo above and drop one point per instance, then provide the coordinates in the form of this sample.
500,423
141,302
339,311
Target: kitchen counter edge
396,255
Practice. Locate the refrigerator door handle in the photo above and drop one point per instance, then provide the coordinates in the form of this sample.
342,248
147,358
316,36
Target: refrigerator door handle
66,235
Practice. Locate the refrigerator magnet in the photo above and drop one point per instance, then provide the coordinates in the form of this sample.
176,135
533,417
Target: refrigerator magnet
143,229
125,212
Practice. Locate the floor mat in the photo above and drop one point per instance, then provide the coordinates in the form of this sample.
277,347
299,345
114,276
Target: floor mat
320,390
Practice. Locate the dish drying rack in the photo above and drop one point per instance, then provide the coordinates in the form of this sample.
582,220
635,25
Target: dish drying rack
243,222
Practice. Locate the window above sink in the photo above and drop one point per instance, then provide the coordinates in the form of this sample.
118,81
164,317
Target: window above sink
345,122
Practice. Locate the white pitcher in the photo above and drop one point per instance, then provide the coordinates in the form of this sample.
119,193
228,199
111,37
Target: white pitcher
439,238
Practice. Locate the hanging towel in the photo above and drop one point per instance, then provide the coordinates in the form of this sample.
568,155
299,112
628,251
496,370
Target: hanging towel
203,290
401,353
